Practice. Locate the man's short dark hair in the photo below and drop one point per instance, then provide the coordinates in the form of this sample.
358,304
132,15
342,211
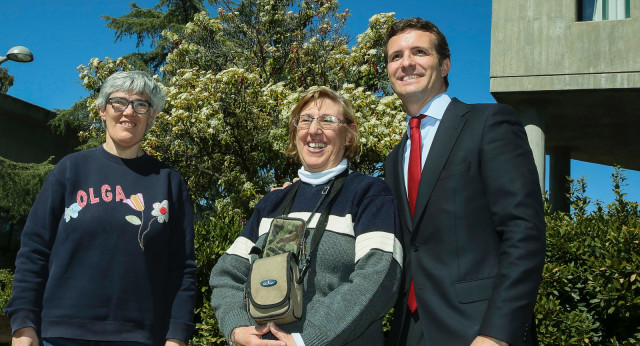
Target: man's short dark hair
416,23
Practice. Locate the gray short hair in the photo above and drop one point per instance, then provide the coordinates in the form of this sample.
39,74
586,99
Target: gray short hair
132,81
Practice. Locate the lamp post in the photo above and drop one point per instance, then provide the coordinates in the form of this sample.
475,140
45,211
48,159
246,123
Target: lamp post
19,54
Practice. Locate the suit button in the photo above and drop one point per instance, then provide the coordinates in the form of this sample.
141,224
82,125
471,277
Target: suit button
404,292
415,247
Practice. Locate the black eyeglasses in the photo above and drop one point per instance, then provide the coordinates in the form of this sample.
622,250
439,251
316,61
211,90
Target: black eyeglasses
325,121
119,104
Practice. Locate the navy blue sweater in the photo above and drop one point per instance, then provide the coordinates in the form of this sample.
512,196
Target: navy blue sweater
107,253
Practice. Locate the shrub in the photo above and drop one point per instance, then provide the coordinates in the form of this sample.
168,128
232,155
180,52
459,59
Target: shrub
214,233
6,278
590,291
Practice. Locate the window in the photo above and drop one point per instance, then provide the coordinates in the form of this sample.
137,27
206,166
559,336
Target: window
594,10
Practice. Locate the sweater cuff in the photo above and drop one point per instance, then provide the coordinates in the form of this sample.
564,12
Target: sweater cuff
180,330
233,319
315,335
25,318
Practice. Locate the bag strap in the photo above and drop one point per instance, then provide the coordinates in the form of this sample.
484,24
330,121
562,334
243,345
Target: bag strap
286,206
318,231
324,217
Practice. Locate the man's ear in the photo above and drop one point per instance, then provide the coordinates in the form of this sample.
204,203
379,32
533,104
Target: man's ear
445,67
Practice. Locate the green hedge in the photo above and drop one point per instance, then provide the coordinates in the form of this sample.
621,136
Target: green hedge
6,278
215,232
590,292
20,184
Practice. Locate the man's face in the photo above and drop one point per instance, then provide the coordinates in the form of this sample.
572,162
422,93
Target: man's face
415,74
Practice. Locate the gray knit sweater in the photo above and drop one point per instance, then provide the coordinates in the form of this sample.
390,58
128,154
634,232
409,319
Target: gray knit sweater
355,270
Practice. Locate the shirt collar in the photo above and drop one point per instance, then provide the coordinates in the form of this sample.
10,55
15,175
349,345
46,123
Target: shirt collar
436,107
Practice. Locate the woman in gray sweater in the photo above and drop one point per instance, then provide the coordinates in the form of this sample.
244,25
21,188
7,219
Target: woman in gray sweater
355,270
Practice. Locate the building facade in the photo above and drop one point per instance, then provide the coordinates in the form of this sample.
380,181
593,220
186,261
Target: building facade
571,68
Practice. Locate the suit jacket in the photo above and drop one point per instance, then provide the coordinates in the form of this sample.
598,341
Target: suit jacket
476,245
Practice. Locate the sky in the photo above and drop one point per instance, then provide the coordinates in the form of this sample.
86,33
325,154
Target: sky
64,34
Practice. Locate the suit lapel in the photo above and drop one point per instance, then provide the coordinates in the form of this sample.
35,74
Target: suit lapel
452,122
395,176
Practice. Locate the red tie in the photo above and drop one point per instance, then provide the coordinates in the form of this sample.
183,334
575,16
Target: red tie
415,161
415,167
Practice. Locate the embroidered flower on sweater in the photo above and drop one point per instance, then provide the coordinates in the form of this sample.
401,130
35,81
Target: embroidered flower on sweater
160,211
71,212
136,202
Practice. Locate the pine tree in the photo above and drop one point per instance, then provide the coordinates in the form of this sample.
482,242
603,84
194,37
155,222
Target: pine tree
146,26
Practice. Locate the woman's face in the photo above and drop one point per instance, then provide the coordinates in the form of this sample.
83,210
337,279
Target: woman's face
126,128
321,149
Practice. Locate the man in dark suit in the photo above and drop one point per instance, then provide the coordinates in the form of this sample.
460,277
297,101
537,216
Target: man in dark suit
474,229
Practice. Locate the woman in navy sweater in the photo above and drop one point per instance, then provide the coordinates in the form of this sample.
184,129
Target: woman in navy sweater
107,252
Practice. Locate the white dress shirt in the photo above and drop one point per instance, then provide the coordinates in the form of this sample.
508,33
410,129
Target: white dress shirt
428,127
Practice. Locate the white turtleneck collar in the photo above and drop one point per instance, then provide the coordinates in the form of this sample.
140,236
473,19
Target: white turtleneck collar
319,178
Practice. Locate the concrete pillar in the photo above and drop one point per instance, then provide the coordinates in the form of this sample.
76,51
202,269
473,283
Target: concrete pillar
534,126
559,170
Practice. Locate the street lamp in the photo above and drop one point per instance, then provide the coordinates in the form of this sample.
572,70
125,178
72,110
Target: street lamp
19,54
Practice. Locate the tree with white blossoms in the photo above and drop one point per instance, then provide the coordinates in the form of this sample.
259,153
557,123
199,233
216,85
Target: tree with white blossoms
224,124
232,80
237,115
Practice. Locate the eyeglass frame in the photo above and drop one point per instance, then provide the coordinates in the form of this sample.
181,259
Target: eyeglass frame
131,103
296,120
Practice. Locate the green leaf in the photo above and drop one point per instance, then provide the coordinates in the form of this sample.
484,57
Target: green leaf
133,219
